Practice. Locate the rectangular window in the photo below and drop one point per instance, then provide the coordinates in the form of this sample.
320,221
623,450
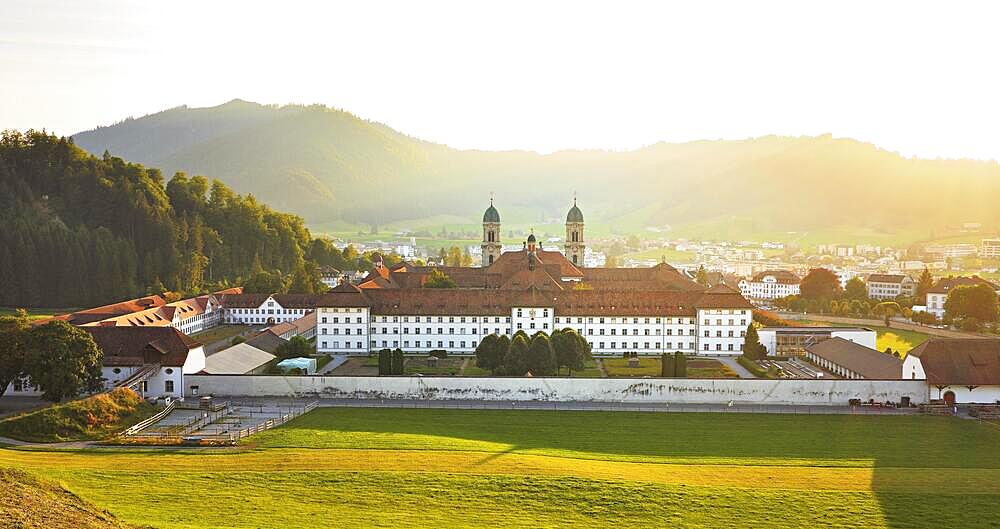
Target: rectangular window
168,386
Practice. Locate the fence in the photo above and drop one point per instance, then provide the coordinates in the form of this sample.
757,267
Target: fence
268,424
135,428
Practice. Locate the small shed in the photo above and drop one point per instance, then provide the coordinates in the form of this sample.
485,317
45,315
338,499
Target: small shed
307,365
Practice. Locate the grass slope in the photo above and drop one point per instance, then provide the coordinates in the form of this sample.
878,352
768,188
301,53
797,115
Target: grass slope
91,418
469,468
29,503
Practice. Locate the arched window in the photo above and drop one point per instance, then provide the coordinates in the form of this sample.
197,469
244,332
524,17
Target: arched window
491,258
574,259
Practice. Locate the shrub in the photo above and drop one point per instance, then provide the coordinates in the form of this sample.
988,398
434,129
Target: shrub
753,367
438,353
94,417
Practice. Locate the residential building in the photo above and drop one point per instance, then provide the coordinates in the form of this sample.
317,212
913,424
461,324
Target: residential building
957,370
304,327
644,310
847,359
188,315
937,295
266,309
989,249
793,341
889,286
151,360
769,285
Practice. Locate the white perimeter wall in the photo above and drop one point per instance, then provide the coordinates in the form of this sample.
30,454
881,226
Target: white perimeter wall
814,392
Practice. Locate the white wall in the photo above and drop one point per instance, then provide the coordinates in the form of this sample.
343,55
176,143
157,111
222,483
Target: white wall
978,395
814,392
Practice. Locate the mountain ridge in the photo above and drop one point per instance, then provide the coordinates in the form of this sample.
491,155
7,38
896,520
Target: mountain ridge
328,164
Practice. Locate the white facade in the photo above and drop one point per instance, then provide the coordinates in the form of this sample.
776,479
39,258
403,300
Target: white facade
890,289
555,389
767,288
935,304
351,330
268,313
167,381
769,336
990,249
985,394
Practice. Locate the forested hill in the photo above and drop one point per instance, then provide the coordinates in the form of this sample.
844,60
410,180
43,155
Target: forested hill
326,164
80,230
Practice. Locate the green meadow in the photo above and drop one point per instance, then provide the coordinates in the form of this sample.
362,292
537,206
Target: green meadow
343,467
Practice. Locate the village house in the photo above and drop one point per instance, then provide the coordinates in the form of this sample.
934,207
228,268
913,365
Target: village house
957,370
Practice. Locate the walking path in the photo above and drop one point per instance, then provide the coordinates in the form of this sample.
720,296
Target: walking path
335,362
731,363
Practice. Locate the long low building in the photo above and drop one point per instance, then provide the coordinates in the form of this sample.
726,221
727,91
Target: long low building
793,341
957,370
847,359
648,311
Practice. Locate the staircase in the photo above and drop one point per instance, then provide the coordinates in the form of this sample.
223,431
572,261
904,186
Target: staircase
139,376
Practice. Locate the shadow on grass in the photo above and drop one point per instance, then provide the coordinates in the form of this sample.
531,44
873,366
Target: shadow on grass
944,446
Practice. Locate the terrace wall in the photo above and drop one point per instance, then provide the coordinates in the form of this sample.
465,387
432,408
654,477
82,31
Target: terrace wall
707,391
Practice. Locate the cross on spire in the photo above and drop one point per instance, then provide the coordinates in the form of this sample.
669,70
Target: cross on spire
491,197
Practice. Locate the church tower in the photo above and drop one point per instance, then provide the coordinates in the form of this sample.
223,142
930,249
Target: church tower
574,235
491,235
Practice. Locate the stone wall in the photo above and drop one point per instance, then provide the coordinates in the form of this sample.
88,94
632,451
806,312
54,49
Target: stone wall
805,392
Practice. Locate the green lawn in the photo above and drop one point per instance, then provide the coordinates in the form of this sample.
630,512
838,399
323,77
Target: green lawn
35,314
220,332
449,366
901,340
343,467
619,367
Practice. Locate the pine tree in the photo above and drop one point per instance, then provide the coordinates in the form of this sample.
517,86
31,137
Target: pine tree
680,365
923,285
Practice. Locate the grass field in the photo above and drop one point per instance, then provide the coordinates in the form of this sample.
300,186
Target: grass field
901,340
217,333
341,467
34,314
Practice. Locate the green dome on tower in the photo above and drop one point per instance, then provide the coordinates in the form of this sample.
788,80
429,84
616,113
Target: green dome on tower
574,215
491,215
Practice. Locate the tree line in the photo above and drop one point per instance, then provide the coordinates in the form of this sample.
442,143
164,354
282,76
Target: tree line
82,230
539,355
969,307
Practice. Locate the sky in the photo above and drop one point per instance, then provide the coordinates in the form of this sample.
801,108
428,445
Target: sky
919,78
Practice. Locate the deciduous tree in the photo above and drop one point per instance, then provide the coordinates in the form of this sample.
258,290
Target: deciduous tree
541,357
63,361
490,353
820,283
14,343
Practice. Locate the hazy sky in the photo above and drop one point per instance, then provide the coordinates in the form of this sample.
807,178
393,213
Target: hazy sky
919,78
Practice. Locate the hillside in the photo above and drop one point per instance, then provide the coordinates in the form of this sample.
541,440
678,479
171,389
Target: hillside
92,418
328,165
83,230
27,502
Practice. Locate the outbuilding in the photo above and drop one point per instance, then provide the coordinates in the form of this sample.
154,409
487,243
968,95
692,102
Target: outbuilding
848,359
957,370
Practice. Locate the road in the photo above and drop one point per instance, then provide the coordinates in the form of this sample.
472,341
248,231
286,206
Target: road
944,333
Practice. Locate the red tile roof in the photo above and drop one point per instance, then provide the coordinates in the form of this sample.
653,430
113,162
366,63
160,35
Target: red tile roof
960,361
781,276
886,278
946,284
129,346
868,363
